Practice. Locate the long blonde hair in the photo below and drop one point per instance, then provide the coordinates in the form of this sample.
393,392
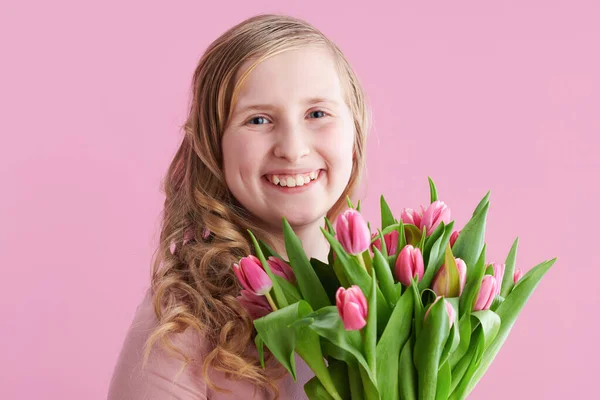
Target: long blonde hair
192,281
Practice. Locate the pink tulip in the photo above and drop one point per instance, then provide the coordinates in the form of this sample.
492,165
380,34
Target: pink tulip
517,275
257,306
252,276
410,216
453,238
391,242
352,232
449,310
435,213
205,233
409,264
352,307
499,275
486,294
442,286
281,268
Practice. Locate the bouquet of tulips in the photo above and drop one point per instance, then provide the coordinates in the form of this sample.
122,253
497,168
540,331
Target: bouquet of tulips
412,311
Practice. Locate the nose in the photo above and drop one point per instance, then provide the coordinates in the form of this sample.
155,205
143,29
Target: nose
291,143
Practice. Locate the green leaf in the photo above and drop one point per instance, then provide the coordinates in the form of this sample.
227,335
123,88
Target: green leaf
370,389
407,374
508,312
509,270
358,206
311,288
386,280
350,205
490,322
371,328
387,218
289,290
268,251
326,323
357,275
384,249
327,277
467,367
282,334
356,386
432,190
470,242
428,349
278,336
418,306
279,295
315,390
441,230
452,341
444,382
394,338
260,347
464,329
482,203
436,255
475,274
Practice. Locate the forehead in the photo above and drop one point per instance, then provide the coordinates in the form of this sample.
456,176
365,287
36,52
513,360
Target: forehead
307,72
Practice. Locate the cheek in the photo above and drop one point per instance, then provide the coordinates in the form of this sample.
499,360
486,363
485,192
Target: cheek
338,142
241,154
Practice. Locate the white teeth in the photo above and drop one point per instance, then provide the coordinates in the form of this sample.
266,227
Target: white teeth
293,181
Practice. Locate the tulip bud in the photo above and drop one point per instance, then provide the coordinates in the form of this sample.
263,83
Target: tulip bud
499,275
517,275
409,264
453,238
410,216
391,242
257,306
352,232
442,285
486,294
252,276
449,310
352,307
435,213
281,268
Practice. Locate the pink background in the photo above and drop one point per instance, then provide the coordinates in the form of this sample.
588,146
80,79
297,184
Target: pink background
501,97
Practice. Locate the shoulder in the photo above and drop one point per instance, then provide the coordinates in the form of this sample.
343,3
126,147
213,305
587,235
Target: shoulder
162,376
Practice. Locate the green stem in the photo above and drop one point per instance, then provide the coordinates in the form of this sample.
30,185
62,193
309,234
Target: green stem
361,261
356,389
271,302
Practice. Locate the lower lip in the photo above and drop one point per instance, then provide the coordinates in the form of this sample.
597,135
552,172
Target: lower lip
295,189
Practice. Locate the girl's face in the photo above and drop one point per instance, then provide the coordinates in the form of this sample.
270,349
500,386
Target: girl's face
290,125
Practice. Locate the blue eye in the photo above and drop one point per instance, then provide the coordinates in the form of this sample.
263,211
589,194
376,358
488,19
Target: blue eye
318,111
257,118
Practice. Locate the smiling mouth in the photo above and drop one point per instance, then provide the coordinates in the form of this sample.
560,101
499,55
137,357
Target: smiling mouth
290,182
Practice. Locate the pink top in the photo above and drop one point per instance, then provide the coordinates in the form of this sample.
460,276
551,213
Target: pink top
158,381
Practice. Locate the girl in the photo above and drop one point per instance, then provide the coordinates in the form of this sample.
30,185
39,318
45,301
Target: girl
277,127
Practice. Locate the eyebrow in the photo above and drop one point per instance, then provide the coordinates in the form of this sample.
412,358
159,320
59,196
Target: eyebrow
312,100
